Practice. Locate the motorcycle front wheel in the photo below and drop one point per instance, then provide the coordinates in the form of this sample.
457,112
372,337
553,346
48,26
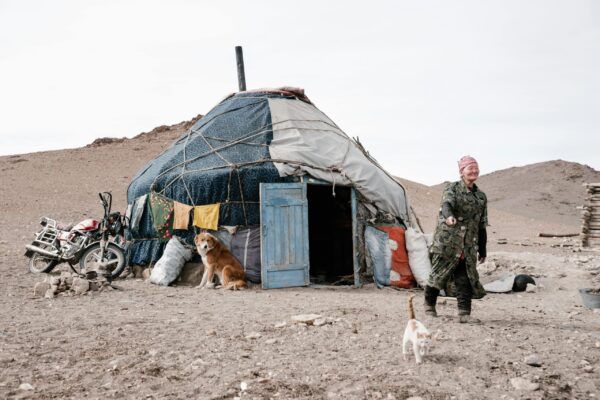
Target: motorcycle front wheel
114,255
38,264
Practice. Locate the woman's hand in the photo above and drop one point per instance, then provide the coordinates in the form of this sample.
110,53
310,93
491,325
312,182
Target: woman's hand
450,221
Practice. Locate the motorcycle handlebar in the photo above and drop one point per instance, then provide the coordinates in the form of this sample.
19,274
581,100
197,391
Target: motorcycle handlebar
106,198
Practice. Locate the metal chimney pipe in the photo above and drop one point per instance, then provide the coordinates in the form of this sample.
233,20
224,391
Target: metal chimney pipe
239,55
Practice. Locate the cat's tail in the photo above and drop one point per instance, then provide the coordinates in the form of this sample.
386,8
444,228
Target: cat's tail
411,309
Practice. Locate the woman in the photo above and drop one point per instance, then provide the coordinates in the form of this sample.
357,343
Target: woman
459,236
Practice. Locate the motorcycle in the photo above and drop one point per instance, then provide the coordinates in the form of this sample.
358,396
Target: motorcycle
89,241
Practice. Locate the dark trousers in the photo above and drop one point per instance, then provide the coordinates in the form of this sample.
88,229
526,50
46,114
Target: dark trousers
464,291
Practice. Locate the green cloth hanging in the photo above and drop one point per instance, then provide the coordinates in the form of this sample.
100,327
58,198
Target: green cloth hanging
162,215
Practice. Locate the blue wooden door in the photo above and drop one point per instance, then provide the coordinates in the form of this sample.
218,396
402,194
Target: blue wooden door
284,235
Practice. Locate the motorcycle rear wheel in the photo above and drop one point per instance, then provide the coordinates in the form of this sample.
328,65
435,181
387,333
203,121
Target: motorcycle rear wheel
38,264
113,254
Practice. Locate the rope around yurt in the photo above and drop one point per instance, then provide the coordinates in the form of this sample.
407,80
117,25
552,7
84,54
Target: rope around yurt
235,167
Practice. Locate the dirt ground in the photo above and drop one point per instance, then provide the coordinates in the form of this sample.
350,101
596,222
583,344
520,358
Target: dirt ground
147,342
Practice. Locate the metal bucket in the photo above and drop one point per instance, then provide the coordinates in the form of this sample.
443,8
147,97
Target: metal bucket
589,300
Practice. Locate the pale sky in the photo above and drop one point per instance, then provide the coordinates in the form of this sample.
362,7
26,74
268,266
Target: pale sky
421,83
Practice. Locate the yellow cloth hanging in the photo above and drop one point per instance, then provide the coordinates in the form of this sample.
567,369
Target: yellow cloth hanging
207,217
181,218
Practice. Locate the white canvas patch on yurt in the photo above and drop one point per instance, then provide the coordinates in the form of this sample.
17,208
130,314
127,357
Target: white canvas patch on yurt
303,134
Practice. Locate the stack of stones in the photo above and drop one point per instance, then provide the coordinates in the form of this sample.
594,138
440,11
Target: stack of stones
68,284
590,227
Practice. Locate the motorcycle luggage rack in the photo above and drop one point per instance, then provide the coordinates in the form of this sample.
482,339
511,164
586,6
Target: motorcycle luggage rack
48,236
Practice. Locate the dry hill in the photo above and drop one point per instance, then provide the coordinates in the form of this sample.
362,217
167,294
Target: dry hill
549,191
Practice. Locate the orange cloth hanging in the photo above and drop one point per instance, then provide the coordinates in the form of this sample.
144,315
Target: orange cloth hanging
181,218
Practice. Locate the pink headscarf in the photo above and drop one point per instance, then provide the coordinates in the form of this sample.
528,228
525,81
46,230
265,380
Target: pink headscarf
465,162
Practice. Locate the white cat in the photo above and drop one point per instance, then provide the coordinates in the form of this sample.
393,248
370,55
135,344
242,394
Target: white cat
417,334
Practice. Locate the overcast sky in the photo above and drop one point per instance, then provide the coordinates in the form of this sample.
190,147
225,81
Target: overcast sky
421,83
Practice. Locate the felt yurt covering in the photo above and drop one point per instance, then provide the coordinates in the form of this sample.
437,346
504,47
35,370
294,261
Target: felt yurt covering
273,135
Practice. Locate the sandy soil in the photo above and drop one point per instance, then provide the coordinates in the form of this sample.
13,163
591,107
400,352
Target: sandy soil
142,341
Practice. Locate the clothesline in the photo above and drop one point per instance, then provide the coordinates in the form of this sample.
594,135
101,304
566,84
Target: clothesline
169,215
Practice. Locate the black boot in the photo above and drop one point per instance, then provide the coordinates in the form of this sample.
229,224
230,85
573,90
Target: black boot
431,295
464,294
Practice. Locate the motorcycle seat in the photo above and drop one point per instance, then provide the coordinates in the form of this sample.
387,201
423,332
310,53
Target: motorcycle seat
63,227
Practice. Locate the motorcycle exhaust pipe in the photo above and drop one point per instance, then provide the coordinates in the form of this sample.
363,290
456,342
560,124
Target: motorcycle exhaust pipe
41,251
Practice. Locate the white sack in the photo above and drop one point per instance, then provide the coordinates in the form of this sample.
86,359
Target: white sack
169,266
503,285
418,255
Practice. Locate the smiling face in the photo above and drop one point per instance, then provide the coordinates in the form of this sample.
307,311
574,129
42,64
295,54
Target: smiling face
470,174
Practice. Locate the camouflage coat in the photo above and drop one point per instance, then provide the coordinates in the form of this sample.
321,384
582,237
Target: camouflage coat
449,242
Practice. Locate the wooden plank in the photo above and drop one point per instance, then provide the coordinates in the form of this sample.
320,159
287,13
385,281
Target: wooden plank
550,235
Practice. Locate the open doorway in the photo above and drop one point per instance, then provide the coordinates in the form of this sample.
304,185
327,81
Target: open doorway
330,235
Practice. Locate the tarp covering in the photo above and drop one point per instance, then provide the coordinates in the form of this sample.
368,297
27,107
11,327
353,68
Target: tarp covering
304,134
225,156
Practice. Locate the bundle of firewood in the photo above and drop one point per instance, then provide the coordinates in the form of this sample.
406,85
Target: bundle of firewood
590,211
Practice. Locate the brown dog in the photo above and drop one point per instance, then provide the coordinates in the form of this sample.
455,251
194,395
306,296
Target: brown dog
217,259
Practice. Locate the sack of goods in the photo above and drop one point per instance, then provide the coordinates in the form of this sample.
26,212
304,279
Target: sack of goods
417,245
169,266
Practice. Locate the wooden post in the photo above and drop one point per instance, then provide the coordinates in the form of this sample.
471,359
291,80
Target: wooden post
239,56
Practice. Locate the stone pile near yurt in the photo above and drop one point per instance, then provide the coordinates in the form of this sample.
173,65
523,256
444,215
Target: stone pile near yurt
590,228
72,284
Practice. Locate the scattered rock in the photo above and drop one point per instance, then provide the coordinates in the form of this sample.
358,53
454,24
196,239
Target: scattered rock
531,288
49,294
270,341
588,369
253,335
502,241
524,384
54,280
244,386
25,386
40,288
80,285
307,319
533,360
320,322
281,325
